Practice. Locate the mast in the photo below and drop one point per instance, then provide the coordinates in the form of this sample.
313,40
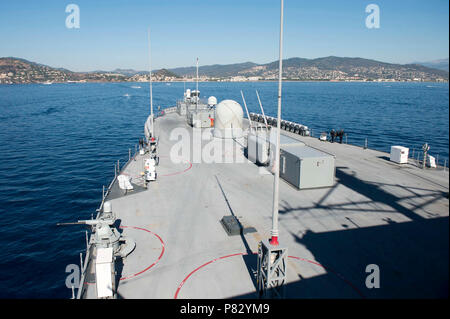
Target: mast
196,100
276,184
150,83
262,110
248,115
272,257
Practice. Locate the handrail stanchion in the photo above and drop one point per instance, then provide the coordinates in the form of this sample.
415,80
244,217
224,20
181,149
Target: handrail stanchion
81,262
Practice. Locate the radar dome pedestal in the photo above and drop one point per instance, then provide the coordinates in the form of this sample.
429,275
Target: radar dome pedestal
228,119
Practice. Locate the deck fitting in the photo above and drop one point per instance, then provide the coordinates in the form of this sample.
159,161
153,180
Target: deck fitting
234,227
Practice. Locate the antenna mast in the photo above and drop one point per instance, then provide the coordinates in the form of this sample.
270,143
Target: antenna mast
262,110
150,83
196,100
248,115
276,184
272,257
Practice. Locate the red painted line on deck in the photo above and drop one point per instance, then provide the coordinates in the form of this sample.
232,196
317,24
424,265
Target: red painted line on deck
243,254
176,173
159,258
192,272
181,172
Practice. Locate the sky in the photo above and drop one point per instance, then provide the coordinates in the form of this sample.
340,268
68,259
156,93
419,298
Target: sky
114,34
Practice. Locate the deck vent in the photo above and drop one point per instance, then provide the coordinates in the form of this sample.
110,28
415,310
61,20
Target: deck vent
233,226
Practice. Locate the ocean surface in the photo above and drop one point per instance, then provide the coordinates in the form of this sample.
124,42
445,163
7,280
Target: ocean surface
59,143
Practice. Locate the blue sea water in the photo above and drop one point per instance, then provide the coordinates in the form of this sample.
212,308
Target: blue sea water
59,143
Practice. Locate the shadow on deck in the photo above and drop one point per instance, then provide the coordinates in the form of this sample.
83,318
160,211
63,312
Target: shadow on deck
413,257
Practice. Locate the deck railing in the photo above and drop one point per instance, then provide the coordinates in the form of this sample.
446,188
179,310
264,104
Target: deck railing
415,155
105,192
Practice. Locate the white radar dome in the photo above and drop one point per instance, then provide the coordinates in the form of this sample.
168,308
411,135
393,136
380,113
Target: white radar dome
212,101
228,118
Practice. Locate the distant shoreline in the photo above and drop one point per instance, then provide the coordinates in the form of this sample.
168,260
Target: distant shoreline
260,81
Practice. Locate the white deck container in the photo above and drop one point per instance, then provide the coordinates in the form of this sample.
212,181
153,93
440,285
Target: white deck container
399,154
104,272
431,161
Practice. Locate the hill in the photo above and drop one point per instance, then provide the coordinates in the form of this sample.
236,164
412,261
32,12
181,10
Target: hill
216,70
16,70
436,64
326,68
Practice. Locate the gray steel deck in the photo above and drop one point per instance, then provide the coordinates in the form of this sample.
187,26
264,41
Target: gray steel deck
378,212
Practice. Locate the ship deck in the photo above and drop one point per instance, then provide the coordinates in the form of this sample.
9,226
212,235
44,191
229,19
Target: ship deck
377,212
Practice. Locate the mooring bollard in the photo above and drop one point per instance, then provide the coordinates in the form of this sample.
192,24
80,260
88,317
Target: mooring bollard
365,144
346,141
129,154
118,167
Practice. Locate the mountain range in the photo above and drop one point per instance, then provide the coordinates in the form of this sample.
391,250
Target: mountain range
327,68
441,64
332,68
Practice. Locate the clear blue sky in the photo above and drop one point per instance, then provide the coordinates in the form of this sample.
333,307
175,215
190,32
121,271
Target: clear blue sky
113,34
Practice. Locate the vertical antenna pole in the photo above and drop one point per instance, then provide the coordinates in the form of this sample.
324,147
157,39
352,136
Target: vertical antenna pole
276,186
272,257
196,100
262,110
246,109
150,82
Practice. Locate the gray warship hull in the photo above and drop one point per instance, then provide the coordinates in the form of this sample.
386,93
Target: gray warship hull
376,212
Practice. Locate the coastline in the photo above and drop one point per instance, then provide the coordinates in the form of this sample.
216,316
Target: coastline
229,81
